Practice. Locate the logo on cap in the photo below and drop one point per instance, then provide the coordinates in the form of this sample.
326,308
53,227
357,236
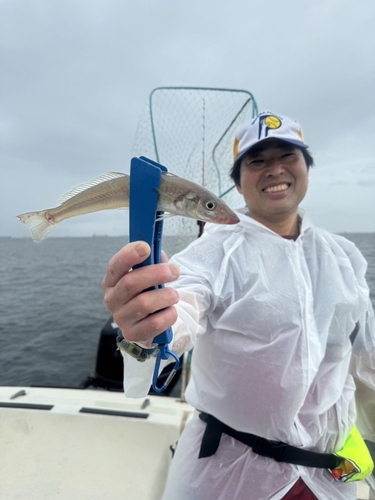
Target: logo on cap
266,123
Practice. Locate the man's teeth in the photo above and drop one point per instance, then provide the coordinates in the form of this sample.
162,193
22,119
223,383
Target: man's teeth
273,189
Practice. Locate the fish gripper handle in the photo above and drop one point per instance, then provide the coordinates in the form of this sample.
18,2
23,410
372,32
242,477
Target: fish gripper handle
145,179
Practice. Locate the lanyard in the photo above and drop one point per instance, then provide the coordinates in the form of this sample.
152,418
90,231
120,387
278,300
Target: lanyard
145,178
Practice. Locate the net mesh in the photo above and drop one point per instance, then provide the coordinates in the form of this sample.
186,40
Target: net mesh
191,131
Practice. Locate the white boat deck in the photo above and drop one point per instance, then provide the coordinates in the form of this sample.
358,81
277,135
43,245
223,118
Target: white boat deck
71,444
75,444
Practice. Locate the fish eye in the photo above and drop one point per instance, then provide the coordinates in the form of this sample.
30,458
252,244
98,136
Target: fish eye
210,205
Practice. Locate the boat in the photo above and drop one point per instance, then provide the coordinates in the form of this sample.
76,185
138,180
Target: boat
86,444
91,442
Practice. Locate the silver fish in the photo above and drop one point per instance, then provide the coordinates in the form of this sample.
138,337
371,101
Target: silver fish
177,196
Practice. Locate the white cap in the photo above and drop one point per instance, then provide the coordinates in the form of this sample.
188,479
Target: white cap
265,126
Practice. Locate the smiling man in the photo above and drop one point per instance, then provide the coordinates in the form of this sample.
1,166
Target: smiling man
271,171
279,315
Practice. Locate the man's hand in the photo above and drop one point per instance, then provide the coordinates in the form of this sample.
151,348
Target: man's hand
140,314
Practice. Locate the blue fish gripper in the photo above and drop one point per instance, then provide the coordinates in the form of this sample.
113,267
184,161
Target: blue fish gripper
145,225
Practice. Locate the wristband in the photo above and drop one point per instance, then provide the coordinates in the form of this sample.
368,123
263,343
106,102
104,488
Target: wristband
134,350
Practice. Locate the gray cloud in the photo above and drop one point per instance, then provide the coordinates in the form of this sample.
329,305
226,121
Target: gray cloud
75,76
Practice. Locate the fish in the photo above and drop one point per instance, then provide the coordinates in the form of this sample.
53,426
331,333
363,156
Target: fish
177,196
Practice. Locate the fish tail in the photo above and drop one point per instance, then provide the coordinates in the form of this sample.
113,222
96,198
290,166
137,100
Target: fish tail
39,224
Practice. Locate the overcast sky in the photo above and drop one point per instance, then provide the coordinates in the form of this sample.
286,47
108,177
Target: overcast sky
75,77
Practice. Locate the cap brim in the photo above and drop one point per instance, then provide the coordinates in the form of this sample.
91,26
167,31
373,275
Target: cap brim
296,143
300,144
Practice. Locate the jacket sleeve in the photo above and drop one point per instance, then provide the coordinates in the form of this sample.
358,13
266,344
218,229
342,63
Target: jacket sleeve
363,371
363,356
195,291
190,323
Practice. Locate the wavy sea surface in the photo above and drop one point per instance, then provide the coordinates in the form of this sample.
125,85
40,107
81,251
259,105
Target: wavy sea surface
51,306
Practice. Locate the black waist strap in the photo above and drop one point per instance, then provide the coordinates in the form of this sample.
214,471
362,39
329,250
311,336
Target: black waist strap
279,451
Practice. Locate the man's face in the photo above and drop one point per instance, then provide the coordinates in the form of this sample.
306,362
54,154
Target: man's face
273,180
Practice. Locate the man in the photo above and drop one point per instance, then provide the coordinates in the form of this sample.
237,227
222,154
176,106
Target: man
269,305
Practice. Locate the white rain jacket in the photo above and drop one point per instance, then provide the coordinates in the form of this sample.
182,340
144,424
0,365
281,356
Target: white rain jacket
270,321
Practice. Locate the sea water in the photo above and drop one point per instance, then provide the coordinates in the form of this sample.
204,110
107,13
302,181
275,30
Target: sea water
51,305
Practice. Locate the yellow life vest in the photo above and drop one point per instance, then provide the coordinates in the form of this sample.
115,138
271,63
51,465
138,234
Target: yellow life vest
357,463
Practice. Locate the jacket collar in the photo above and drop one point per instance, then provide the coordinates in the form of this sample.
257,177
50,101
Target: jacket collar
246,221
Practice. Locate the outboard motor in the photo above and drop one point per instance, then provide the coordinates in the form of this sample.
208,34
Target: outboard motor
109,370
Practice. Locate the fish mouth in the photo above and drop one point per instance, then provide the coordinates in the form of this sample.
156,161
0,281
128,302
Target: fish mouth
220,217
230,220
225,218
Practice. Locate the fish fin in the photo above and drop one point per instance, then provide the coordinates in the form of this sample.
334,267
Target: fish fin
94,182
169,174
165,215
39,226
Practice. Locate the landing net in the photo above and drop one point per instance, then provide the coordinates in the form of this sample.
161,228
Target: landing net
191,131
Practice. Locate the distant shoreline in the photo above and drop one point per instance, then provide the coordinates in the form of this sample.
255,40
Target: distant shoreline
342,233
